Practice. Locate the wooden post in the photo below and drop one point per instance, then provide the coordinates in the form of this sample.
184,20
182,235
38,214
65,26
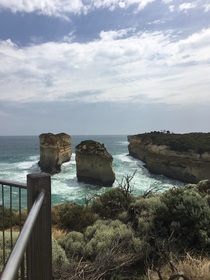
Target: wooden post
39,250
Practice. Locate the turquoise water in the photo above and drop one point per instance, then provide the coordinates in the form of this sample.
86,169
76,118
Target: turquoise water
19,156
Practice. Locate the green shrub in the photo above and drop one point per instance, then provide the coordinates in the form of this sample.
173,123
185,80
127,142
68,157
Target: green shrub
8,217
73,244
199,142
104,235
72,216
58,254
7,240
110,204
185,214
144,210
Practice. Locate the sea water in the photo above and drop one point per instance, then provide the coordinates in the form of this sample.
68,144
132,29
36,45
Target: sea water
19,156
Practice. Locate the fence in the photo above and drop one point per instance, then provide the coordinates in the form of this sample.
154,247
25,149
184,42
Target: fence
31,254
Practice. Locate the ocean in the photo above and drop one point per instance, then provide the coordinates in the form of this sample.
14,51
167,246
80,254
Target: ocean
19,156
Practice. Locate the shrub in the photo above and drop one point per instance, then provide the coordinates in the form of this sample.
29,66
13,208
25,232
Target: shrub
110,204
198,142
144,210
58,254
104,235
7,237
72,216
185,215
8,217
20,217
73,244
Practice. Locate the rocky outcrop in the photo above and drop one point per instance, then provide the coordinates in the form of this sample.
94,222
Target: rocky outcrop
94,163
54,150
188,165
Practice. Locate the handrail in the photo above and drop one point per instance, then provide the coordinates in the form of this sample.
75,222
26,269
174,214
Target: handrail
12,266
14,184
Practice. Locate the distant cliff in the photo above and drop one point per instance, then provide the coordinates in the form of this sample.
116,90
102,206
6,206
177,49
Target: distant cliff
184,157
55,149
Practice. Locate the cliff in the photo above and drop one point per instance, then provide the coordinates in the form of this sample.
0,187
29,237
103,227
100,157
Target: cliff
184,157
94,163
54,150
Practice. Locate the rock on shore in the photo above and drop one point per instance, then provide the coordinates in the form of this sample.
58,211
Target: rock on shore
94,163
188,166
55,149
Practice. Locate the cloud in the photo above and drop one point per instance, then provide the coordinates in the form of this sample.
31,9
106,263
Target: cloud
118,67
167,1
113,4
63,8
187,6
207,7
49,8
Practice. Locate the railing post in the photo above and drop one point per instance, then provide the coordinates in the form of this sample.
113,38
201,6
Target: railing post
39,250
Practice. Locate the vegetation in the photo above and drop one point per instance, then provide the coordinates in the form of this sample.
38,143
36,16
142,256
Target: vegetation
7,242
198,142
145,237
117,236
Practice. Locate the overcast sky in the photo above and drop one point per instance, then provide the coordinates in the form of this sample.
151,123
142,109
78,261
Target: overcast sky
104,66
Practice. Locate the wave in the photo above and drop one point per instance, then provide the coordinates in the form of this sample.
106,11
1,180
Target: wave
123,143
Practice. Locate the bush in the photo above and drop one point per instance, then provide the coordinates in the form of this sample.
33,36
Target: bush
7,237
185,215
199,142
73,244
72,216
106,249
144,210
58,254
104,235
110,204
8,217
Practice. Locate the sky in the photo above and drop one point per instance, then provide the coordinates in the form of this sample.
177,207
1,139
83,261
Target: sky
94,67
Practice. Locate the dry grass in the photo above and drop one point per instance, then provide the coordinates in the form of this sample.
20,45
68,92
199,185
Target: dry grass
57,233
195,268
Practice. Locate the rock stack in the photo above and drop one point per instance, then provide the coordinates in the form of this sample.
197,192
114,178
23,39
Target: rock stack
54,150
94,163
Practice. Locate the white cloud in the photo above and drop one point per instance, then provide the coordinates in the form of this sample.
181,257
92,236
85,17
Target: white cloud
167,1
118,67
62,8
112,4
171,8
187,6
115,34
207,7
50,8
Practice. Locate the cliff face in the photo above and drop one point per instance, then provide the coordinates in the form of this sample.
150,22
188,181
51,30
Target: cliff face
94,163
54,150
187,166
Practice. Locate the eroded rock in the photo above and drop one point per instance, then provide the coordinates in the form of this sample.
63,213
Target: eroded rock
188,166
94,163
55,149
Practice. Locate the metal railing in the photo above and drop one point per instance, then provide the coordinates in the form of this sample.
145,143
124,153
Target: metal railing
11,196
35,238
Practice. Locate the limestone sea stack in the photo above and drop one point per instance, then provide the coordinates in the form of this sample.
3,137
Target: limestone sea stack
55,149
94,163
185,157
